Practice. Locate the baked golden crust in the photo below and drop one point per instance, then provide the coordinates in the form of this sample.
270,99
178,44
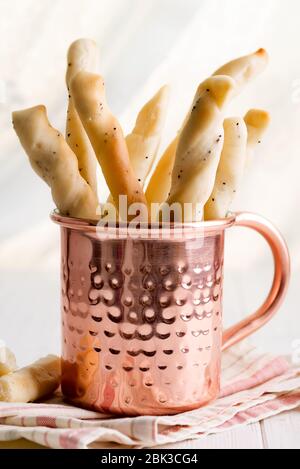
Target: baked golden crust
82,55
107,138
54,161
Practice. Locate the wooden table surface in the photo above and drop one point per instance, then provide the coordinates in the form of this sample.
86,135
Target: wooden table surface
279,432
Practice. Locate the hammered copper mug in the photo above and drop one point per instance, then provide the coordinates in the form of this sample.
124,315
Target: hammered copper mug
142,316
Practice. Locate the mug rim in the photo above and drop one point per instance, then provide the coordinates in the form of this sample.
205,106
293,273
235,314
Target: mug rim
92,225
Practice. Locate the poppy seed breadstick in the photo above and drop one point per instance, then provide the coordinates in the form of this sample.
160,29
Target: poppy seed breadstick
82,55
242,70
230,170
8,362
241,138
107,138
29,384
143,142
160,181
200,145
257,122
245,69
53,160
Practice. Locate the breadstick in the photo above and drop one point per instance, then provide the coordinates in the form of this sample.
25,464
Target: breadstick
245,69
242,70
82,55
200,145
107,138
33,382
144,140
159,185
257,122
8,362
53,160
230,169
241,138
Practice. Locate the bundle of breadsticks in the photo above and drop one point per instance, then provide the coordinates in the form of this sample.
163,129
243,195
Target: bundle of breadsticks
201,168
27,384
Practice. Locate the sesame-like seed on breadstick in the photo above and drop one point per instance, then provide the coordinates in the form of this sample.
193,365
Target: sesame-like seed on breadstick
53,160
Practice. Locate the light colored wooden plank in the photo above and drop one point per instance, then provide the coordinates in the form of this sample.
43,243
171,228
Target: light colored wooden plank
241,438
20,444
282,431
248,437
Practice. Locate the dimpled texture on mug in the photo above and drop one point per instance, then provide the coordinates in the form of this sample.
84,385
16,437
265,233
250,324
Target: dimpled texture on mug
141,322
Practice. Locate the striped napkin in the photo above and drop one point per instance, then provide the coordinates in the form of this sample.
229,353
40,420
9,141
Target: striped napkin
255,386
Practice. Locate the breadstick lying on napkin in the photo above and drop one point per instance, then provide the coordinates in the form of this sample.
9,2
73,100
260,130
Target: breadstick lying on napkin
33,382
82,55
107,138
199,147
53,160
242,70
8,362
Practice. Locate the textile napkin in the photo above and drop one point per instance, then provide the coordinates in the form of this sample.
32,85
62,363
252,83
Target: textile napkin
255,386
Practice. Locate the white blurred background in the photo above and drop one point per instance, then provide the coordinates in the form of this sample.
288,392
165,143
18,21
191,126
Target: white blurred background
144,44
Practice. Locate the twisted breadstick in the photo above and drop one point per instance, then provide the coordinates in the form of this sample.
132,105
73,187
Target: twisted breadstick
230,169
257,122
241,138
33,382
200,145
144,140
242,70
82,55
160,183
53,160
8,362
107,138
245,69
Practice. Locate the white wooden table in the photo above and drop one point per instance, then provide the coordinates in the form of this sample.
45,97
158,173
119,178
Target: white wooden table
279,432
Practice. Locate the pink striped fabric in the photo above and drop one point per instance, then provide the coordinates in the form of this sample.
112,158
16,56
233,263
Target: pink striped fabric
276,367
255,386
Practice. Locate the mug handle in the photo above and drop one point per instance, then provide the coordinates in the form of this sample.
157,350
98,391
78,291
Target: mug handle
278,291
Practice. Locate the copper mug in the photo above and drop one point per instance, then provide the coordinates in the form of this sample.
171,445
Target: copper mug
142,316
